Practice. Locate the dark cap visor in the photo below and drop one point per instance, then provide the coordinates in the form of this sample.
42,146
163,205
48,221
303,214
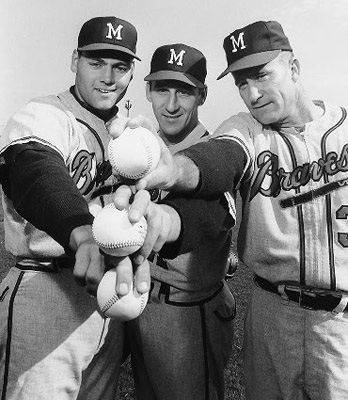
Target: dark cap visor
106,46
250,61
176,76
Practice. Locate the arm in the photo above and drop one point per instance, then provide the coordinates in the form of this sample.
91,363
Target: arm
36,179
42,191
205,169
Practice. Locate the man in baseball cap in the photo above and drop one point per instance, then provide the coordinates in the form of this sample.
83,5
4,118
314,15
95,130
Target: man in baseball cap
176,89
61,347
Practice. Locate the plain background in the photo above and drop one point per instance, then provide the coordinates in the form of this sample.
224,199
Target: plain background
37,38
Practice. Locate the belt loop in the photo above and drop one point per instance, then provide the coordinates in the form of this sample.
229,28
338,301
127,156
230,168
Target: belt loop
341,305
284,296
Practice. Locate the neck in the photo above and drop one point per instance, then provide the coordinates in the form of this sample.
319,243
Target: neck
304,111
177,138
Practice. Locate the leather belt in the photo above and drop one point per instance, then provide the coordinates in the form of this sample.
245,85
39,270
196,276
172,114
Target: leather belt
51,265
306,296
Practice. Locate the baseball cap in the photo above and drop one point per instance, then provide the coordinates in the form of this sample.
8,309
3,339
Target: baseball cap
178,62
108,33
253,45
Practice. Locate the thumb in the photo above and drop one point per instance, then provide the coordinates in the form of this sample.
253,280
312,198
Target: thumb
116,127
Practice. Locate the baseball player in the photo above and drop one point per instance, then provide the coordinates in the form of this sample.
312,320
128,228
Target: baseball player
182,342
287,157
55,174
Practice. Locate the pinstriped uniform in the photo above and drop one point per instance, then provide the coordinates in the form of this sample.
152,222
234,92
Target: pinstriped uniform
294,232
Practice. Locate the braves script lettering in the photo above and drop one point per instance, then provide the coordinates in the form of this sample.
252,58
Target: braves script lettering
271,178
86,173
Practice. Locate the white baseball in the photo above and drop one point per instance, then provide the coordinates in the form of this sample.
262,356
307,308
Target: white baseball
125,307
134,153
115,234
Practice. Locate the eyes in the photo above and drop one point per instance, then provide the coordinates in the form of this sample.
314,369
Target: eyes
120,68
181,93
242,84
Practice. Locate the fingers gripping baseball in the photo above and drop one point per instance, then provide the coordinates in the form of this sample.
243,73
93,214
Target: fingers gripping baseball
115,303
164,175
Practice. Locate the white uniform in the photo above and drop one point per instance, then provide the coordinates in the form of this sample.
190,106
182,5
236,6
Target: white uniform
53,342
294,233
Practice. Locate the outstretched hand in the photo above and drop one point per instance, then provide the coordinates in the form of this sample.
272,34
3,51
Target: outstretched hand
163,222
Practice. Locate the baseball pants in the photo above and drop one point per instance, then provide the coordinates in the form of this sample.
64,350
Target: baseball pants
292,353
53,343
179,350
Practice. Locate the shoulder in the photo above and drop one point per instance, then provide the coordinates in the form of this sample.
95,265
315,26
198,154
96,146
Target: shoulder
241,123
43,119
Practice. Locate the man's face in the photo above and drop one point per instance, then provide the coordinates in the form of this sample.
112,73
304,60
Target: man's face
269,91
101,78
175,105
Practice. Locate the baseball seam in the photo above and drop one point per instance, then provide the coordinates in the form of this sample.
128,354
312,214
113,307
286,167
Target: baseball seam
113,299
120,245
142,304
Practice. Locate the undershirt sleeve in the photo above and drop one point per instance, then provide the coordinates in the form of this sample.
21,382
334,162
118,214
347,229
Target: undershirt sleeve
221,163
37,181
201,219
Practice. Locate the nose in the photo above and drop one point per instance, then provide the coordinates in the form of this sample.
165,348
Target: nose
108,76
254,92
172,102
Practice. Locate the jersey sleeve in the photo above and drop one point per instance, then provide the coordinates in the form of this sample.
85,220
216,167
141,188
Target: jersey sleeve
35,178
201,219
43,121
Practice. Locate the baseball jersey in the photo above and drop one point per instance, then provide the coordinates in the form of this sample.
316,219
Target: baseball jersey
62,124
196,274
294,188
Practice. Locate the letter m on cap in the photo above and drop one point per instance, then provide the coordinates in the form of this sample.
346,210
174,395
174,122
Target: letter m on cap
112,32
239,43
178,59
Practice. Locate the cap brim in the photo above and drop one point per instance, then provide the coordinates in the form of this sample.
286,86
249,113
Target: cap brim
176,76
106,46
253,60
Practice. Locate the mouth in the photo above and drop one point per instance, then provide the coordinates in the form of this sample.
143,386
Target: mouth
259,107
106,91
171,117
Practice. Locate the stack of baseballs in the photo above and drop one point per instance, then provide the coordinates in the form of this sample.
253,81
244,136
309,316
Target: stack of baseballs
132,155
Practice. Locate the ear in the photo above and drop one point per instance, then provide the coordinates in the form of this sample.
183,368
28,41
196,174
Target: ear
203,95
148,91
74,60
132,69
295,69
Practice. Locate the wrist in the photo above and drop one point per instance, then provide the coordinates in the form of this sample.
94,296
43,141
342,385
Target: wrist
79,235
186,176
